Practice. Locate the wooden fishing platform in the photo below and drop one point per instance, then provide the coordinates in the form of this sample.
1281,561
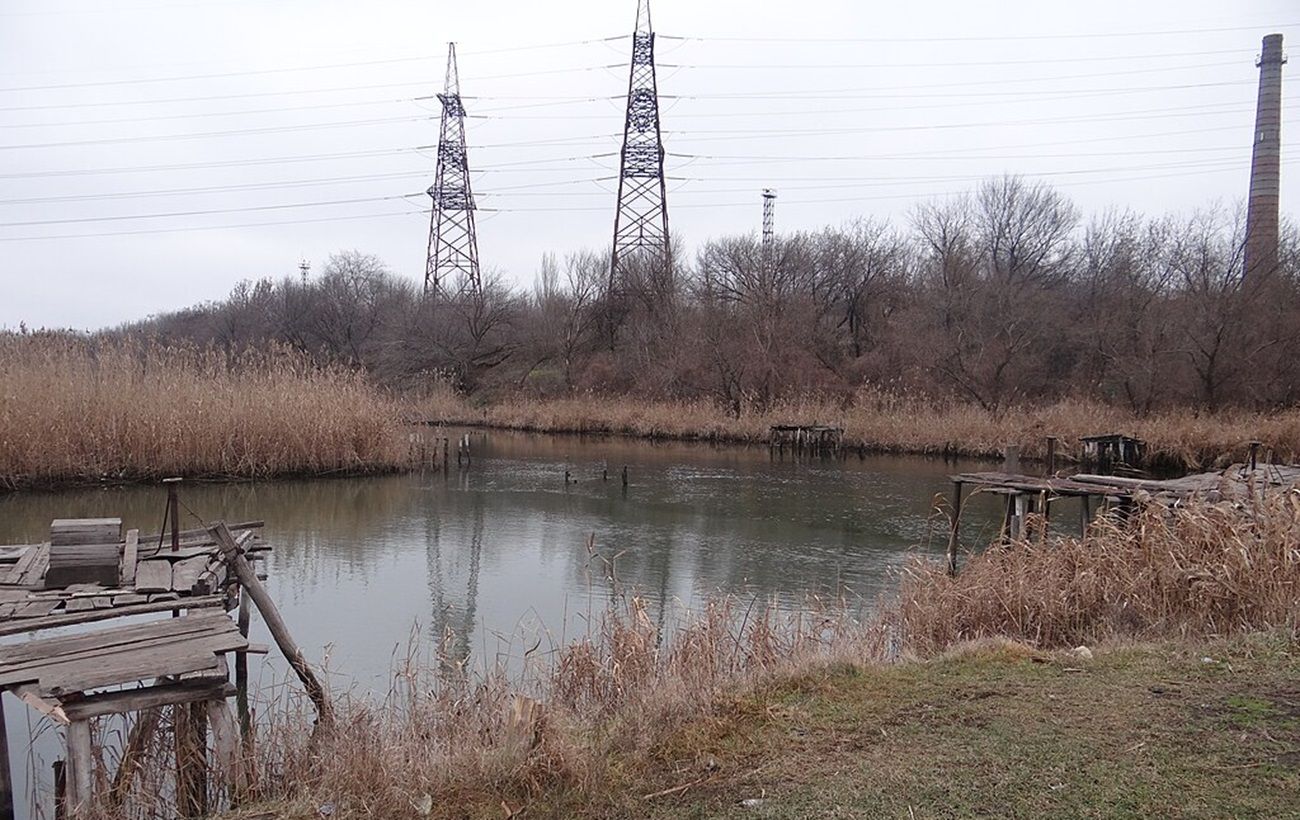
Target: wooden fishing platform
190,581
806,438
1032,495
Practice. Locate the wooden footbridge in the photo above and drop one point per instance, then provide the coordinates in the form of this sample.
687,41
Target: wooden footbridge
1027,495
171,658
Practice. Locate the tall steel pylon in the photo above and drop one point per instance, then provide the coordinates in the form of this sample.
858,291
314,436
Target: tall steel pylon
453,242
769,232
641,222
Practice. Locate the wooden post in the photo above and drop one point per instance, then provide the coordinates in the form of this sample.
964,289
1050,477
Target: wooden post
79,773
190,724
241,671
225,745
60,790
6,778
231,552
624,475
1051,455
954,534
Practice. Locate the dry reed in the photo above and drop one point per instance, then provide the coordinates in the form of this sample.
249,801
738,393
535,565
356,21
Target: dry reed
884,421
75,410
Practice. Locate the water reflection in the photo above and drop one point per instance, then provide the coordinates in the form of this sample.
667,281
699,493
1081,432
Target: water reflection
507,550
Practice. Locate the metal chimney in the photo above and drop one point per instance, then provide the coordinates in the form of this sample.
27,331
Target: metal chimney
1265,166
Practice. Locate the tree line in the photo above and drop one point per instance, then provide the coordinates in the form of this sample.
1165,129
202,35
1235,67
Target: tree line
1003,296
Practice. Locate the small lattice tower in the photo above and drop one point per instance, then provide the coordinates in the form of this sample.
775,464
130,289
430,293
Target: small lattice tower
452,260
641,223
769,232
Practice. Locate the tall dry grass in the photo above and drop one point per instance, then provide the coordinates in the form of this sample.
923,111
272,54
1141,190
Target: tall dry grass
1202,569
888,422
75,410
580,727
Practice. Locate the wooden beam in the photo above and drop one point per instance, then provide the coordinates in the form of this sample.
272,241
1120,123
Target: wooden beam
6,777
145,699
80,774
129,557
50,621
234,556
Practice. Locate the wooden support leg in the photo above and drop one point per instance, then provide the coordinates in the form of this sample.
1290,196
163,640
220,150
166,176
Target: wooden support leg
241,671
60,790
79,774
190,722
225,744
954,535
6,779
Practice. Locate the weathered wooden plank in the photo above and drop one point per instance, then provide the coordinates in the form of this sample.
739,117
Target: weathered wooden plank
79,605
35,651
128,598
185,574
149,697
66,531
32,624
153,576
35,609
15,575
36,570
102,602
163,596
92,668
126,576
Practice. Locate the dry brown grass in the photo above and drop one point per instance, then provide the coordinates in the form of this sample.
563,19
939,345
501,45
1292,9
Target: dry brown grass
1205,569
582,731
73,410
883,421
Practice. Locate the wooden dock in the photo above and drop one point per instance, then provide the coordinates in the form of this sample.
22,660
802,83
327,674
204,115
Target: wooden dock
1028,495
190,581
801,439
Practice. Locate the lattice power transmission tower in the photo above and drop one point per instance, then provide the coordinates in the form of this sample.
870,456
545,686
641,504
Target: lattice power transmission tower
641,223
453,242
769,232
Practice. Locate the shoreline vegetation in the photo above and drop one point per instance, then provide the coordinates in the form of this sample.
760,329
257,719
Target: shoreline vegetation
78,411
1188,638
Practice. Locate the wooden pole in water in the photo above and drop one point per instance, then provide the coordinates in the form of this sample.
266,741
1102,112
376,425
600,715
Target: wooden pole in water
231,552
954,534
241,672
1051,455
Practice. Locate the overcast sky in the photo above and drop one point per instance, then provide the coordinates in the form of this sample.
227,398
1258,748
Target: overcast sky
140,146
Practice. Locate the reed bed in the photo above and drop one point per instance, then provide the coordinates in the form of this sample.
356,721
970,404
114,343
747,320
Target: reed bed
1205,569
884,421
582,725
76,410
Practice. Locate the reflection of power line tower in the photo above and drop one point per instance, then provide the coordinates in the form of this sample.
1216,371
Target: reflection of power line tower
769,232
453,242
641,222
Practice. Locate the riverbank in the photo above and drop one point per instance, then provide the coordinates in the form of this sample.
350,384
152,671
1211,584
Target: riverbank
881,422
76,411
958,697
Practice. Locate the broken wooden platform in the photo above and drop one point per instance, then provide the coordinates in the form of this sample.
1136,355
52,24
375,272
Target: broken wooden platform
151,577
1032,495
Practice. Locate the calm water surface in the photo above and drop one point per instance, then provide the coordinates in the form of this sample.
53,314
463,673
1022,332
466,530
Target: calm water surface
504,551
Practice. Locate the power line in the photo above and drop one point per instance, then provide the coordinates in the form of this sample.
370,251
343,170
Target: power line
988,38
172,214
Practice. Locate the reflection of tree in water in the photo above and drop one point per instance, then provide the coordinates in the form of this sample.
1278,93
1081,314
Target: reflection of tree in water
452,628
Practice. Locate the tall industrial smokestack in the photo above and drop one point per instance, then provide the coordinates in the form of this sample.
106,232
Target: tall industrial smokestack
1265,165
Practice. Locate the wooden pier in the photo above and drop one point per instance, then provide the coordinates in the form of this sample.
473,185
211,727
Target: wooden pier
1027,495
190,581
806,439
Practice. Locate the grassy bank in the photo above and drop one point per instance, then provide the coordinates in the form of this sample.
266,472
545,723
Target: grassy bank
960,696
888,423
76,412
